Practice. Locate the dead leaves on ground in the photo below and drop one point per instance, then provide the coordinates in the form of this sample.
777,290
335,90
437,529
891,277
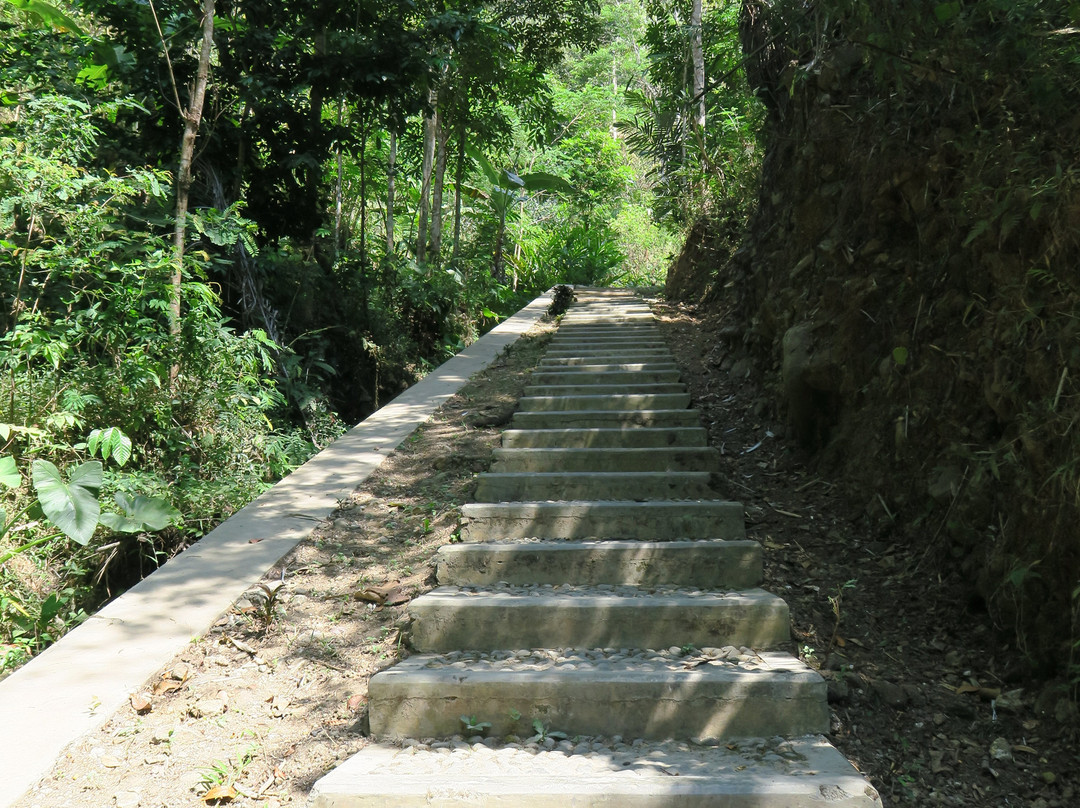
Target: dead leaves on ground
384,595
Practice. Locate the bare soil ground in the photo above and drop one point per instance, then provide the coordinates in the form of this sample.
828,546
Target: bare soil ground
273,696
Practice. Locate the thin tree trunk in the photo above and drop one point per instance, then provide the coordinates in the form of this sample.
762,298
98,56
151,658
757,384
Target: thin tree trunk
697,56
615,98
442,136
338,183
391,181
365,123
425,177
459,175
192,119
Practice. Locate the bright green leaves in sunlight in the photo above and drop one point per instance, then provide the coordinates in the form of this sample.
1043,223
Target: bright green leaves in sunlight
9,474
110,443
48,14
139,513
73,505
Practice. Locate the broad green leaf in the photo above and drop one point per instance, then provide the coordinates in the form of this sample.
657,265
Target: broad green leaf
110,442
72,506
139,514
49,14
542,181
900,355
9,475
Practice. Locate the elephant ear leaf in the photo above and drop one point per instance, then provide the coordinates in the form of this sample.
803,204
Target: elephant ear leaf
72,506
9,475
139,514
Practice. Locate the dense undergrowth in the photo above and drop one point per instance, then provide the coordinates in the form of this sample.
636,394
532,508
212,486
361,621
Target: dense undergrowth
908,281
372,186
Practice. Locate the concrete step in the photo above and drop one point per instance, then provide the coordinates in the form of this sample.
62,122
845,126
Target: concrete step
599,773
658,521
606,341
487,619
622,331
767,695
594,485
634,401
601,389
576,376
603,438
607,367
584,319
607,362
710,563
698,458
571,351
610,419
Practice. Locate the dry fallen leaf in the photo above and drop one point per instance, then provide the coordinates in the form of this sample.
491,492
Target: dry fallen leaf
385,595
354,702
220,794
141,702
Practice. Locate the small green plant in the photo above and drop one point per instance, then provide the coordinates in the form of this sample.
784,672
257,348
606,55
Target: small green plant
473,726
835,602
266,609
807,653
543,732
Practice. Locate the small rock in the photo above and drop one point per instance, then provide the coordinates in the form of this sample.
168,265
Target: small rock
110,761
892,694
1001,749
1049,778
839,691
127,799
1010,701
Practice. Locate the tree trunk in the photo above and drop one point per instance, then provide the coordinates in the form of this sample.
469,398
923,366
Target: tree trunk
391,170
442,136
338,183
192,119
459,175
697,56
425,177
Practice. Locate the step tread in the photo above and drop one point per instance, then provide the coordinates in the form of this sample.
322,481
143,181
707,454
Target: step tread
599,773
607,596
726,663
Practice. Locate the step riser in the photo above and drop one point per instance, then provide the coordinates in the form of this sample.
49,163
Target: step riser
610,419
656,521
492,622
634,486
603,389
595,341
642,361
647,401
605,352
700,564
613,460
634,437
631,377
610,367
432,706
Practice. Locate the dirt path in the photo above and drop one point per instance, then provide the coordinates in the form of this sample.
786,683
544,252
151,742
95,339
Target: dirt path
272,698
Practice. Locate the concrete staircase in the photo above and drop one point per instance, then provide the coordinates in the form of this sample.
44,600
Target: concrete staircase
598,637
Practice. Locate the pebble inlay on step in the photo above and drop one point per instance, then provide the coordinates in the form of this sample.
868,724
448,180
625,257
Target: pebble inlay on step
603,590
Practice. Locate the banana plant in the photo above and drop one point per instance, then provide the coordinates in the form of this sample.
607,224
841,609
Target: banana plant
505,190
